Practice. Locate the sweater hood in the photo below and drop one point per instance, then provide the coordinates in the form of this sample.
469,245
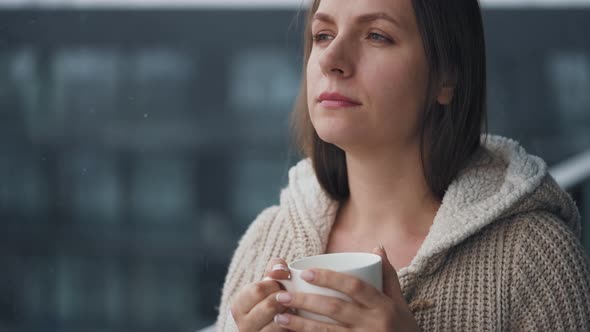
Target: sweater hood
501,180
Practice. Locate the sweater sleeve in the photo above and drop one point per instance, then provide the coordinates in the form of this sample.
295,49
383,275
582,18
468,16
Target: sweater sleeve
550,277
245,266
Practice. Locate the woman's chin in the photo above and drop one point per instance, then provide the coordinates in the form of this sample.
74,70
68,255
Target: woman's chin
337,129
340,138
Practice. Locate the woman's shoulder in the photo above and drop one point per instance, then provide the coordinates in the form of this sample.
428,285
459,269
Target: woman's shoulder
261,224
539,225
541,245
538,236
540,228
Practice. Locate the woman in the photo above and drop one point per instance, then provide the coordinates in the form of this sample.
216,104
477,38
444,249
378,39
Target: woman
476,235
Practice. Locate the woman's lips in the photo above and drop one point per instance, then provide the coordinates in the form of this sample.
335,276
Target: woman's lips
337,103
336,100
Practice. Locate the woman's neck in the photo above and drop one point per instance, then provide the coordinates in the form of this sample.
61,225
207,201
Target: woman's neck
388,192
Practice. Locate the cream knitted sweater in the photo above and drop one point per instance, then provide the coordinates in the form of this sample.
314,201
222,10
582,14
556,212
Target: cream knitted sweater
502,254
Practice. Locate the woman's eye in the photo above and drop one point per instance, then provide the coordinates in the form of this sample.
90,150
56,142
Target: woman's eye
379,37
321,37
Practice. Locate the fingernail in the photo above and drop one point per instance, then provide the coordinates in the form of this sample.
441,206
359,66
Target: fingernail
282,319
307,275
382,248
284,297
280,267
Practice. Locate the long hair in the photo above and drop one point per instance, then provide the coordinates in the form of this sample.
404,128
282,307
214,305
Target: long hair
453,40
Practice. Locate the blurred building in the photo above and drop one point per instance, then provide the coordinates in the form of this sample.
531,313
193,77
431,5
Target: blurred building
138,143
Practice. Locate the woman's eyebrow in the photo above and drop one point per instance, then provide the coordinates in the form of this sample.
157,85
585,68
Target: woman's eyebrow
378,16
360,19
323,17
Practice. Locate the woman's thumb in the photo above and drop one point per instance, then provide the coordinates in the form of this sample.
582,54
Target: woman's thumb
391,285
277,268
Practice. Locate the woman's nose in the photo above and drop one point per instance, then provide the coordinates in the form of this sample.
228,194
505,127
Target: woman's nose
336,59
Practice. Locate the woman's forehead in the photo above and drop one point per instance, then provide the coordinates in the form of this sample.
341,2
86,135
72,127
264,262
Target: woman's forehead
398,10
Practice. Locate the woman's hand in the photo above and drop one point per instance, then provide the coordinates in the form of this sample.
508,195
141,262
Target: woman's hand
254,306
371,310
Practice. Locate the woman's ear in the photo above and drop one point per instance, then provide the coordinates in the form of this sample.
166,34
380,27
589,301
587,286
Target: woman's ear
447,88
445,95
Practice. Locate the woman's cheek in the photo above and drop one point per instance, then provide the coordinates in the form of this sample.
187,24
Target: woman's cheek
313,91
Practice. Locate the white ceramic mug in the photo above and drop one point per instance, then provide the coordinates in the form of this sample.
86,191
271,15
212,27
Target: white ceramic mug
364,266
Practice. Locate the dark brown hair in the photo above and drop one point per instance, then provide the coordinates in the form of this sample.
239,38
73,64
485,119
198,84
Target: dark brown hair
453,39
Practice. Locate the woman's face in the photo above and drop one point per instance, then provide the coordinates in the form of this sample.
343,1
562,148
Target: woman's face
369,52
